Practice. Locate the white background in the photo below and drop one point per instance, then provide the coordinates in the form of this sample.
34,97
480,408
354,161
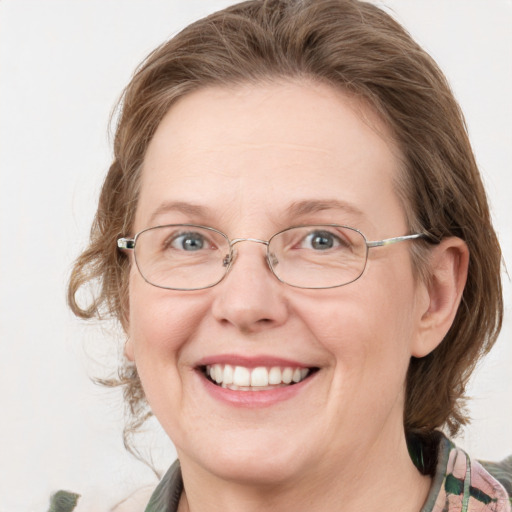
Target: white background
62,66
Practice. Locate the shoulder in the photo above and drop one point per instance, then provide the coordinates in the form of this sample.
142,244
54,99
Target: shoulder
461,483
471,482
65,501
501,471
164,498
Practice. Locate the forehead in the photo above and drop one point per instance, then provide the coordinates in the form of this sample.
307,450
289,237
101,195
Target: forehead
258,150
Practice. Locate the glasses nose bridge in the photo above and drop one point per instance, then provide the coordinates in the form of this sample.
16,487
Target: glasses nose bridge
255,240
228,262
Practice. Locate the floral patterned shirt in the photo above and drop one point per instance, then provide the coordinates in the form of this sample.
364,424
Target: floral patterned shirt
464,485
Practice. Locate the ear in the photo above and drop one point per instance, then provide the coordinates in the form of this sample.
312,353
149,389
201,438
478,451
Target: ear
448,268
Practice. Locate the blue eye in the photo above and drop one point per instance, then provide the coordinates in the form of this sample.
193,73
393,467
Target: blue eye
322,240
188,242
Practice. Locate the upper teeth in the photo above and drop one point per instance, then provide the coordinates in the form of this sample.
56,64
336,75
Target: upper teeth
261,376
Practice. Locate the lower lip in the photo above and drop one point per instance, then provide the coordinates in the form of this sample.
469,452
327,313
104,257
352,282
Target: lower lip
254,399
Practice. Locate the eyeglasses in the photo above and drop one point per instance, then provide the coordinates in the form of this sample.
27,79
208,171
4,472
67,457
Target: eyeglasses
189,257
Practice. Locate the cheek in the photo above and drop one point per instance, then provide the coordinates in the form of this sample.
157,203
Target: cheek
161,321
367,326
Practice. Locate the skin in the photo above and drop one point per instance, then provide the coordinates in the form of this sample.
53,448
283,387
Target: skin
245,155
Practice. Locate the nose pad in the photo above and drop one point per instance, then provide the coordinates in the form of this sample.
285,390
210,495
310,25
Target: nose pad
228,260
272,260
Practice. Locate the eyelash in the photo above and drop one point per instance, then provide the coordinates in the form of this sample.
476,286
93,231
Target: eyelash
170,240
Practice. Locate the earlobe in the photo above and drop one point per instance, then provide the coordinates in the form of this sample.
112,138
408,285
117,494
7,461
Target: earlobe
448,267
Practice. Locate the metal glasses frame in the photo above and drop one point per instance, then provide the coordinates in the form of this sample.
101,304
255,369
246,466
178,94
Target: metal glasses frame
126,243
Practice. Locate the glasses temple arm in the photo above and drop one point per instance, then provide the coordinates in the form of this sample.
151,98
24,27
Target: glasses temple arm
394,240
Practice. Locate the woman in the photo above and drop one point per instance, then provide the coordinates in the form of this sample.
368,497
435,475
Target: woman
296,240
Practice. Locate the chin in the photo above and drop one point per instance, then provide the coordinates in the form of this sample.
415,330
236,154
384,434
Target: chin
254,461
258,472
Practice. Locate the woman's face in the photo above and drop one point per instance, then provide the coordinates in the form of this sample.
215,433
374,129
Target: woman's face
251,161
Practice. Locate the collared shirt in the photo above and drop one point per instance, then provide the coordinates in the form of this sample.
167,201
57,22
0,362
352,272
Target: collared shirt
464,485
459,484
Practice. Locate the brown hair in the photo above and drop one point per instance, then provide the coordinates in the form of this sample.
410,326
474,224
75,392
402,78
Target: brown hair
356,47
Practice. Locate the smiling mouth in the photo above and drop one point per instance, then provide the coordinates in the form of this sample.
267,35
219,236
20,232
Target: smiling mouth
261,378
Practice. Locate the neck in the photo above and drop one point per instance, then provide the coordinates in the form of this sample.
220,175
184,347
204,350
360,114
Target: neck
382,475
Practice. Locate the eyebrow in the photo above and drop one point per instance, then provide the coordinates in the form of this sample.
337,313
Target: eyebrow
180,207
296,209
307,207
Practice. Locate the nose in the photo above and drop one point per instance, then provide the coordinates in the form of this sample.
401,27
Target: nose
250,297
